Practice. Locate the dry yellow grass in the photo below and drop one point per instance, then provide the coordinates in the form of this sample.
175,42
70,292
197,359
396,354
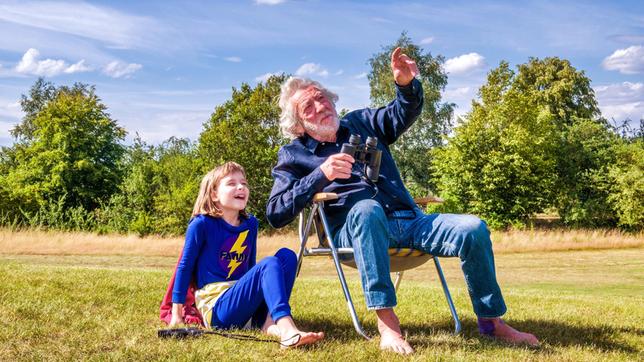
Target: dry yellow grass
41,242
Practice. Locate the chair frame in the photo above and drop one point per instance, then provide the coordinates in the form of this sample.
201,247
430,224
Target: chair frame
317,218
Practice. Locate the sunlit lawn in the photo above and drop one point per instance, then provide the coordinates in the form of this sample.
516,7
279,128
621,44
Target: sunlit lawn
584,305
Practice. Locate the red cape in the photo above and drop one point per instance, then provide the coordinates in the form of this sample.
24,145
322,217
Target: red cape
190,313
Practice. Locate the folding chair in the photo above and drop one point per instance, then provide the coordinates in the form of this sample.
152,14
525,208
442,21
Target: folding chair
400,259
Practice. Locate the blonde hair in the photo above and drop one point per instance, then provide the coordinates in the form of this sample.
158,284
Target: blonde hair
290,123
205,205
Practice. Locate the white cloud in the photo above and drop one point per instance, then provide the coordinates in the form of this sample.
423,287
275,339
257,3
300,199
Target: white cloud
117,69
362,75
308,69
233,59
626,61
464,63
117,29
621,100
264,77
339,72
269,2
78,67
428,40
30,64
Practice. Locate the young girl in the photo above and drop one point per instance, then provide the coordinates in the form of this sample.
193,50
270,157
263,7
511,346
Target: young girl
220,251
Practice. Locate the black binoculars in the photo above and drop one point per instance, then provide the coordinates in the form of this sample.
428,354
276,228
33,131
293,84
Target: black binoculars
366,153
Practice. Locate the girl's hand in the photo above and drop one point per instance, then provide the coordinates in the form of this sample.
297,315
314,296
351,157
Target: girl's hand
177,315
176,320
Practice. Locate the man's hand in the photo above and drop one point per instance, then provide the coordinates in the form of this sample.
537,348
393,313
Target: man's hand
337,166
403,67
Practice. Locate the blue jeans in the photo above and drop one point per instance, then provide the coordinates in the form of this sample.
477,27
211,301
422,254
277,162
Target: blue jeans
370,232
265,288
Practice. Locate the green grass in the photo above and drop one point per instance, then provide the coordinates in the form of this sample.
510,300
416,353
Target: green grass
583,305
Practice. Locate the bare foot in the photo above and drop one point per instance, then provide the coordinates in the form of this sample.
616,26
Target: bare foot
496,328
391,338
300,338
290,335
269,327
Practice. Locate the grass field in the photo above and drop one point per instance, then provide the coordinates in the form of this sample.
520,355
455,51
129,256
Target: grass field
583,304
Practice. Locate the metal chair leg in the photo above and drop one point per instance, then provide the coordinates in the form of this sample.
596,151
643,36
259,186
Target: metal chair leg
399,276
448,296
343,282
303,230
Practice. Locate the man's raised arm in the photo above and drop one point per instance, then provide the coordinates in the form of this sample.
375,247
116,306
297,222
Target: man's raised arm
393,120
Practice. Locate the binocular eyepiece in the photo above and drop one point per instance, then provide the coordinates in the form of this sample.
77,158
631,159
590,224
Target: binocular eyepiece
367,153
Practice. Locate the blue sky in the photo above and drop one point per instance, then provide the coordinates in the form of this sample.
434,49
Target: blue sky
163,66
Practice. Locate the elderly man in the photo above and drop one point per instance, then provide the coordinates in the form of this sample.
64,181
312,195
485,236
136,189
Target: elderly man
372,216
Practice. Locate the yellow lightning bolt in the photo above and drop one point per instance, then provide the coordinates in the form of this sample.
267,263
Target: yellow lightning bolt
239,247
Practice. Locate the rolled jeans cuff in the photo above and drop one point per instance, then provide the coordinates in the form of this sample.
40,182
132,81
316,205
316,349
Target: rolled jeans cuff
380,300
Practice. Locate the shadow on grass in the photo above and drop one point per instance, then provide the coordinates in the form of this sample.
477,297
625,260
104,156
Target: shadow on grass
550,333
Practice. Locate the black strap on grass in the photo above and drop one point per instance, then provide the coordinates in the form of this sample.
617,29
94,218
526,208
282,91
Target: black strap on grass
188,332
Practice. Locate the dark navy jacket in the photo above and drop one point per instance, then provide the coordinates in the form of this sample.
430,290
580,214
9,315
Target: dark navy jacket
298,175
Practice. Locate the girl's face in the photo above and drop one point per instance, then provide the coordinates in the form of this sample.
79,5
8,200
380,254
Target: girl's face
232,193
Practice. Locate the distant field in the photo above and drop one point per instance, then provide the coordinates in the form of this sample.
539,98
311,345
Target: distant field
584,304
38,242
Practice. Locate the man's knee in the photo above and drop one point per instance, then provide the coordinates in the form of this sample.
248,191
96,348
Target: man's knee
475,232
366,210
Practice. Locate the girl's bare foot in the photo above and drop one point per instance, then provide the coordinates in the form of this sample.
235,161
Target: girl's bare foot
291,336
300,338
269,327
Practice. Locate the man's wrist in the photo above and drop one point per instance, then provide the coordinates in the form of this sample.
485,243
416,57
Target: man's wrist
409,89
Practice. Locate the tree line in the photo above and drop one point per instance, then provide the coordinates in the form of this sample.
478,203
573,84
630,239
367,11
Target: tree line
534,141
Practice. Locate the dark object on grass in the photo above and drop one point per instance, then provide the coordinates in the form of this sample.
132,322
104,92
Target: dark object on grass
188,332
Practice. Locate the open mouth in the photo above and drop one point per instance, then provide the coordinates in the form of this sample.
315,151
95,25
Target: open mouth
240,197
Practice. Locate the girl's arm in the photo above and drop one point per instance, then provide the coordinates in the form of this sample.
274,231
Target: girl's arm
187,264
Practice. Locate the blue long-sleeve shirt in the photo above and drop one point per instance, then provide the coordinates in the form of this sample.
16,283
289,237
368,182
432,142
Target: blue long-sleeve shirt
298,175
215,251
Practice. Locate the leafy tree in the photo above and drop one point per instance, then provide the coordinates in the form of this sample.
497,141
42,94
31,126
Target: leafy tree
412,150
499,164
40,94
556,84
179,173
245,129
131,208
585,153
579,143
68,148
158,190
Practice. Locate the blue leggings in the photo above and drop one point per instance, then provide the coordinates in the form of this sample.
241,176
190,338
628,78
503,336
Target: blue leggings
265,288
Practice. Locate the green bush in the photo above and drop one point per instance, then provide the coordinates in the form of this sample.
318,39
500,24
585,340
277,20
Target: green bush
626,175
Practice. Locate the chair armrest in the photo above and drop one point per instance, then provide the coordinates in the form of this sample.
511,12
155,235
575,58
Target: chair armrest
423,201
324,196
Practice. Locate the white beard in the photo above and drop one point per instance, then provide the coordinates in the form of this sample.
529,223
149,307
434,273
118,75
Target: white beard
322,132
